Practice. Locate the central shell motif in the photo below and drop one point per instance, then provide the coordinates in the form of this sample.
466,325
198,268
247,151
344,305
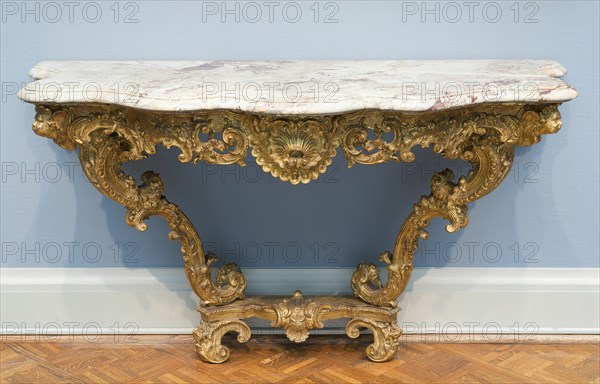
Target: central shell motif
295,150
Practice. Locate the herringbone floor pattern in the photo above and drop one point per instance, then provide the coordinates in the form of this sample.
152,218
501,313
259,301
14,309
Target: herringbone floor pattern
273,359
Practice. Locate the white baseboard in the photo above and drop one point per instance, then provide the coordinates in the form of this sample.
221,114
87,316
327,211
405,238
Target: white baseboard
438,300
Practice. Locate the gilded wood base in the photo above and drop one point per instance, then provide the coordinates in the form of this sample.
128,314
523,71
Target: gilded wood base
297,316
297,149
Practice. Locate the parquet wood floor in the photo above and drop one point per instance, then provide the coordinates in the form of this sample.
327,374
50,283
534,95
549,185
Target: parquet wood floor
274,359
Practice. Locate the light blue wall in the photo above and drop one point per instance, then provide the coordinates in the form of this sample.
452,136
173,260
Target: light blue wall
547,209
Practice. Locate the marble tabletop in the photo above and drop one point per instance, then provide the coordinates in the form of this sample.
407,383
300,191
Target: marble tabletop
297,87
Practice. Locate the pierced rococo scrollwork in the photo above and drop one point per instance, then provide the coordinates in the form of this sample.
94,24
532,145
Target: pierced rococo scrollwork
297,316
107,138
485,139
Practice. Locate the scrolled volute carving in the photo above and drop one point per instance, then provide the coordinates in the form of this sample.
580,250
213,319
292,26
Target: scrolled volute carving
208,337
485,139
386,337
106,140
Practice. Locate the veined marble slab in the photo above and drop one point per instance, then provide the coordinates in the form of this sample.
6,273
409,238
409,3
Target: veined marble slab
297,87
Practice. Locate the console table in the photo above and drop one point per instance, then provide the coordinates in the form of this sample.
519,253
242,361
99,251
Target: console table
295,115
